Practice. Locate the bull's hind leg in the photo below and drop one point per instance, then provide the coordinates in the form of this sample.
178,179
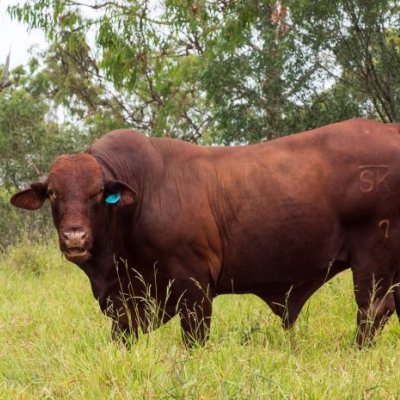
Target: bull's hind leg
373,287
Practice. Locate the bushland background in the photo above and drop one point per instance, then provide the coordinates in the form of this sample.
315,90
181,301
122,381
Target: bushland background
212,72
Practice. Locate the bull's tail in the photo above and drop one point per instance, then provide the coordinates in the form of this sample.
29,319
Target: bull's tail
396,293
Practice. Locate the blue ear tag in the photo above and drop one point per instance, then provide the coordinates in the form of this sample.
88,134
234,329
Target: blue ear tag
113,198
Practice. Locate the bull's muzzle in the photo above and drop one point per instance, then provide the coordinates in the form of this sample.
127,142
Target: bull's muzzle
75,244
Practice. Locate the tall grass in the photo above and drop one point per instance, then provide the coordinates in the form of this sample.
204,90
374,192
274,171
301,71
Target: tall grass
55,343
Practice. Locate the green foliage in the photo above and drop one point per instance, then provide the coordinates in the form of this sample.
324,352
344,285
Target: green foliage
222,71
30,137
353,42
21,132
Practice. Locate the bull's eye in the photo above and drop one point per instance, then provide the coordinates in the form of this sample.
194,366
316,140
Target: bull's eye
51,195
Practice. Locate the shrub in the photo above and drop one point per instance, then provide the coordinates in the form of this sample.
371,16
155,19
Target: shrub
18,225
29,257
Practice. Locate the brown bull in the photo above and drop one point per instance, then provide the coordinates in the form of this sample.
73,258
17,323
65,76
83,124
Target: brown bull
276,219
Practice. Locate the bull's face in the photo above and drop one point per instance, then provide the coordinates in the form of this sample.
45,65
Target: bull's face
80,199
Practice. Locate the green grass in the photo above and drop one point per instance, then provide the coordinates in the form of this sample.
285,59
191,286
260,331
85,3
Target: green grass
54,343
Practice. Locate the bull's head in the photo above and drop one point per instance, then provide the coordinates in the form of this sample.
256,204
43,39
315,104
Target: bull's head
79,196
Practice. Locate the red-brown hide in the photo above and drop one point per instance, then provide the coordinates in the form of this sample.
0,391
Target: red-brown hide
276,219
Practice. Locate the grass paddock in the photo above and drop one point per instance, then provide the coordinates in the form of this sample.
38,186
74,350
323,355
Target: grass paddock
55,344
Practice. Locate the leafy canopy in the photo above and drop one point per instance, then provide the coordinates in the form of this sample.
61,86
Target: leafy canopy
222,70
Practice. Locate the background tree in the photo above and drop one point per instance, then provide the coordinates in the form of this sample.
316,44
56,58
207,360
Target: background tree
354,43
221,71
30,135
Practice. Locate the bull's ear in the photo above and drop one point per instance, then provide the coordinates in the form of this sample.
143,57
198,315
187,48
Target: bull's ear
118,193
30,199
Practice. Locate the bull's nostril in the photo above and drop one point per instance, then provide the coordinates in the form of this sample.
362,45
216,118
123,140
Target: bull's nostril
75,234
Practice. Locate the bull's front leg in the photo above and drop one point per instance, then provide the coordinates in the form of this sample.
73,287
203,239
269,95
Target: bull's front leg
193,300
194,310
122,325
195,316
146,315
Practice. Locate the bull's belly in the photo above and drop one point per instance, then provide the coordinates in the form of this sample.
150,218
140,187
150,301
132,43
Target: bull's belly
289,258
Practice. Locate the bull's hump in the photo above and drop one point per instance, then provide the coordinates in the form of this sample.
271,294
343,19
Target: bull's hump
118,140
